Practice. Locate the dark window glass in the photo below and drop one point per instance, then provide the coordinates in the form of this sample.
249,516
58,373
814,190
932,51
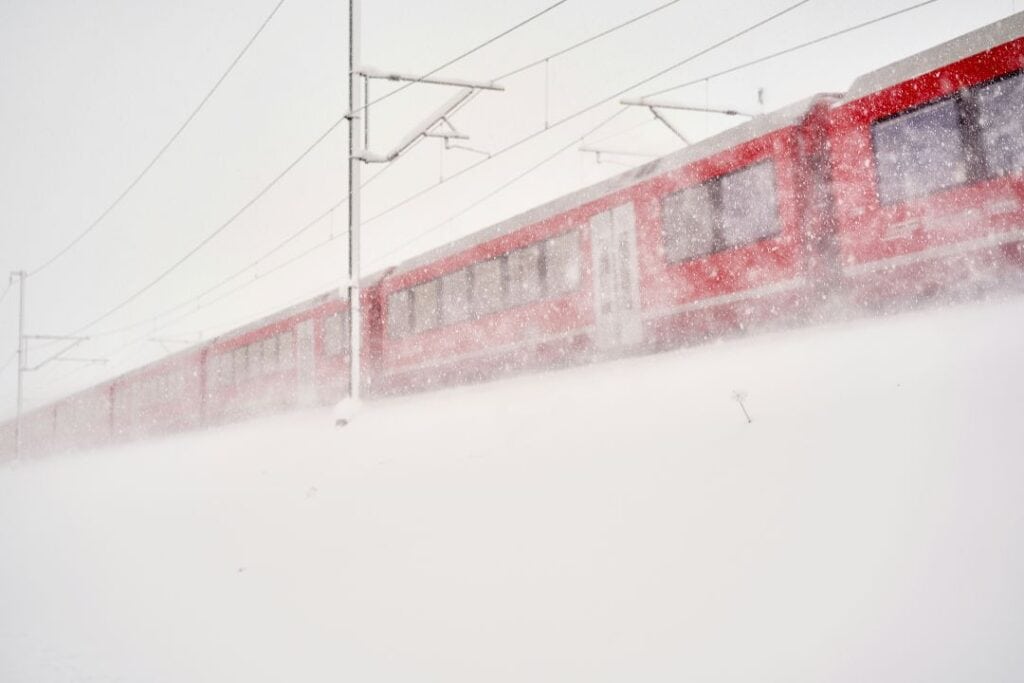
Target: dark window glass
524,276
399,313
688,223
425,303
919,152
749,211
562,263
455,296
335,333
488,287
1000,111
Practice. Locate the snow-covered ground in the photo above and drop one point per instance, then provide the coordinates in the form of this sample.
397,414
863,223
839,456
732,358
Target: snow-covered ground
621,522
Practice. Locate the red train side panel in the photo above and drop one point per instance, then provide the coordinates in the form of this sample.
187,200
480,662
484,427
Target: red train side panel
927,157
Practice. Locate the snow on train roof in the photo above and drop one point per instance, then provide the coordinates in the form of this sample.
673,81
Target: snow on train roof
756,127
951,51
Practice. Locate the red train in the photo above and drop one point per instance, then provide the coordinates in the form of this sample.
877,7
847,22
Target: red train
908,186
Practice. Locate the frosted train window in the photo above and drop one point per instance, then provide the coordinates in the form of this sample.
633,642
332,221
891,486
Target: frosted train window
227,375
241,368
425,305
455,296
286,349
399,313
562,263
1000,112
688,223
255,359
488,288
919,152
749,210
524,276
334,334
270,354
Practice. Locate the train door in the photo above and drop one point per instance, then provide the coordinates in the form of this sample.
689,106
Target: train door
616,277
305,359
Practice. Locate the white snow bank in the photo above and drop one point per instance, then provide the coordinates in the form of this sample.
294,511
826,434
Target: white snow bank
620,522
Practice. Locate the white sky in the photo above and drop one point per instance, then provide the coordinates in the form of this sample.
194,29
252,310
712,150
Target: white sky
92,90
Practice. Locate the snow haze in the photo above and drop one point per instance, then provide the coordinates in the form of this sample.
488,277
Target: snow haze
608,523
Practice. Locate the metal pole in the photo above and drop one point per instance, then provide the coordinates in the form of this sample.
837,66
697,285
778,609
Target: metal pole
21,358
355,106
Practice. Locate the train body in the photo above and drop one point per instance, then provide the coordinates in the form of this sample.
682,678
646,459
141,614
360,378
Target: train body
908,186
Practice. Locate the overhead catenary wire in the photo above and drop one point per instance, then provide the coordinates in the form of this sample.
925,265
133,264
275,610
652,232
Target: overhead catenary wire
523,140
276,179
793,48
334,125
519,176
314,247
195,299
494,155
587,40
170,141
462,56
590,107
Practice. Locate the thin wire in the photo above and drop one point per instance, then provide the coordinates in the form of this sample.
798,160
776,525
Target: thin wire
206,240
462,56
794,48
588,108
502,187
152,162
331,238
583,42
570,117
580,112
280,245
6,290
630,129
715,75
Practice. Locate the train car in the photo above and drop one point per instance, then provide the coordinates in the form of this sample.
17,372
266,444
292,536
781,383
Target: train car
295,358
710,239
83,420
909,185
731,233
158,398
928,156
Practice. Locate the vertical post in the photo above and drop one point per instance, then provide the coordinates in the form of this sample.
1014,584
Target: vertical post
355,106
21,358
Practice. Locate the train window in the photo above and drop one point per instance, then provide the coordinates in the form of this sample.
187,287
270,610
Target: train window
749,210
255,359
241,366
225,370
270,355
919,152
286,349
1000,110
562,263
334,334
455,296
425,306
488,287
399,313
524,275
688,222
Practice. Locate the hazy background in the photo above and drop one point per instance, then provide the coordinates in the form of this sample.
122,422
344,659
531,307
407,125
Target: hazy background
90,91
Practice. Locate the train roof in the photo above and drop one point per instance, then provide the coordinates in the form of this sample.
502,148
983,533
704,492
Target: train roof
984,38
749,130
